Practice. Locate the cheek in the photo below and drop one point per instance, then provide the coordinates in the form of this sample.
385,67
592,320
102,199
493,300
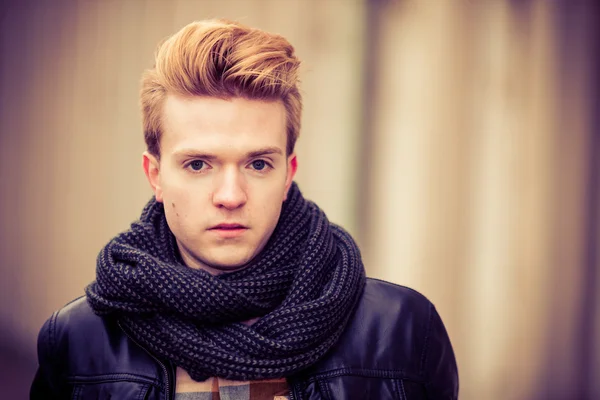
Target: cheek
176,190
173,213
175,201
183,222
271,204
178,202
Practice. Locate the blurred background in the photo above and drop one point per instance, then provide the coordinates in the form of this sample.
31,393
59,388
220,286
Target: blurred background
458,141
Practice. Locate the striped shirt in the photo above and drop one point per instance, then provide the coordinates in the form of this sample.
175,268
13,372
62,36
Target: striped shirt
222,389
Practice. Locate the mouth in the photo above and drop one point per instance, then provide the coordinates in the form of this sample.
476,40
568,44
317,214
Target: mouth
227,231
229,226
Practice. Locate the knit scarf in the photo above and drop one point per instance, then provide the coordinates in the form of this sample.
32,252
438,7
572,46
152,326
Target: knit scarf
303,286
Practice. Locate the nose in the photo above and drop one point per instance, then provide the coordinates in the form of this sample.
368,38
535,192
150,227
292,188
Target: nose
230,190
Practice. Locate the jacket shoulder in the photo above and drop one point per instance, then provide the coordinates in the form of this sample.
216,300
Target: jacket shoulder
77,348
73,329
387,334
396,298
395,345
395,334
77,317
79,342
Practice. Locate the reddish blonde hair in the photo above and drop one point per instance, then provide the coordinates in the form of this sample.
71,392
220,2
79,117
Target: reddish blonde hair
224,59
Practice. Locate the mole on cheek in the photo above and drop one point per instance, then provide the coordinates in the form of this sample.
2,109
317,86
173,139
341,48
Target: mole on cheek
173,204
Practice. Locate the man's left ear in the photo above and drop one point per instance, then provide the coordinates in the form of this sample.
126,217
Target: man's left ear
292,166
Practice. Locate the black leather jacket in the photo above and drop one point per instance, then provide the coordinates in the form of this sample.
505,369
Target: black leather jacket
395,347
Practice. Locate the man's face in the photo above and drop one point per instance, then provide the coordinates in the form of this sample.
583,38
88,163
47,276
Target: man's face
222,176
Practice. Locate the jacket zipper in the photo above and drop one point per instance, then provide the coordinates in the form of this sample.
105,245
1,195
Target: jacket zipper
293,389
162,365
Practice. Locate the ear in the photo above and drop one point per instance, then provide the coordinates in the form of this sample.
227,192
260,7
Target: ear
151,167
292,166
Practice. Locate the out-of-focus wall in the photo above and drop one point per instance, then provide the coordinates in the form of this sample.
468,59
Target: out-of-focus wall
481,164
484,172
454,139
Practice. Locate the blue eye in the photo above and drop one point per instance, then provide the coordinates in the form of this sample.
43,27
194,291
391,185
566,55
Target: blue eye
197,165
259,165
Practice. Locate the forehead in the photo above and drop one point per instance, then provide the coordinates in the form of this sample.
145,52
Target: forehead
214,124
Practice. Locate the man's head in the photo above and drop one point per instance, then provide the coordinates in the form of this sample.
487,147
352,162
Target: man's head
221,114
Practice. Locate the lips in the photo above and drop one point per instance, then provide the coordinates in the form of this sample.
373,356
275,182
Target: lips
229,226
229,230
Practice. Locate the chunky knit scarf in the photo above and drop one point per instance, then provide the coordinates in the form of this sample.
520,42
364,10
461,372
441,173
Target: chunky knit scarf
303,286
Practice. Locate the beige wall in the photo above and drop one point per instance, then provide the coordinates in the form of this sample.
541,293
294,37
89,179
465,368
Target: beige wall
451,138
480,182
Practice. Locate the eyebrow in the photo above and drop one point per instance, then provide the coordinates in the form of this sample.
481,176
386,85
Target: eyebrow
265,151
209,157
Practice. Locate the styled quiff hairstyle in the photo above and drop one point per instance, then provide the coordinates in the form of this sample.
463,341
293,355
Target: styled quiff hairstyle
224,59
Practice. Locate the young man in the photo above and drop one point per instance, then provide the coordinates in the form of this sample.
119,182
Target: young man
232,285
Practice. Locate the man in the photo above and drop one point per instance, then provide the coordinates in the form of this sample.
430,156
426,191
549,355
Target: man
231,284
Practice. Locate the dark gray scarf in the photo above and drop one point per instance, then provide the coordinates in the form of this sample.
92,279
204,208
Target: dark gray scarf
304,286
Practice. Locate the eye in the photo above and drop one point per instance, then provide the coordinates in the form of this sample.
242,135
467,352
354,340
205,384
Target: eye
259,165
196,165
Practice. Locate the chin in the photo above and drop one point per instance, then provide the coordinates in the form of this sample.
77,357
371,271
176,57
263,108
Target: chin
228,263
